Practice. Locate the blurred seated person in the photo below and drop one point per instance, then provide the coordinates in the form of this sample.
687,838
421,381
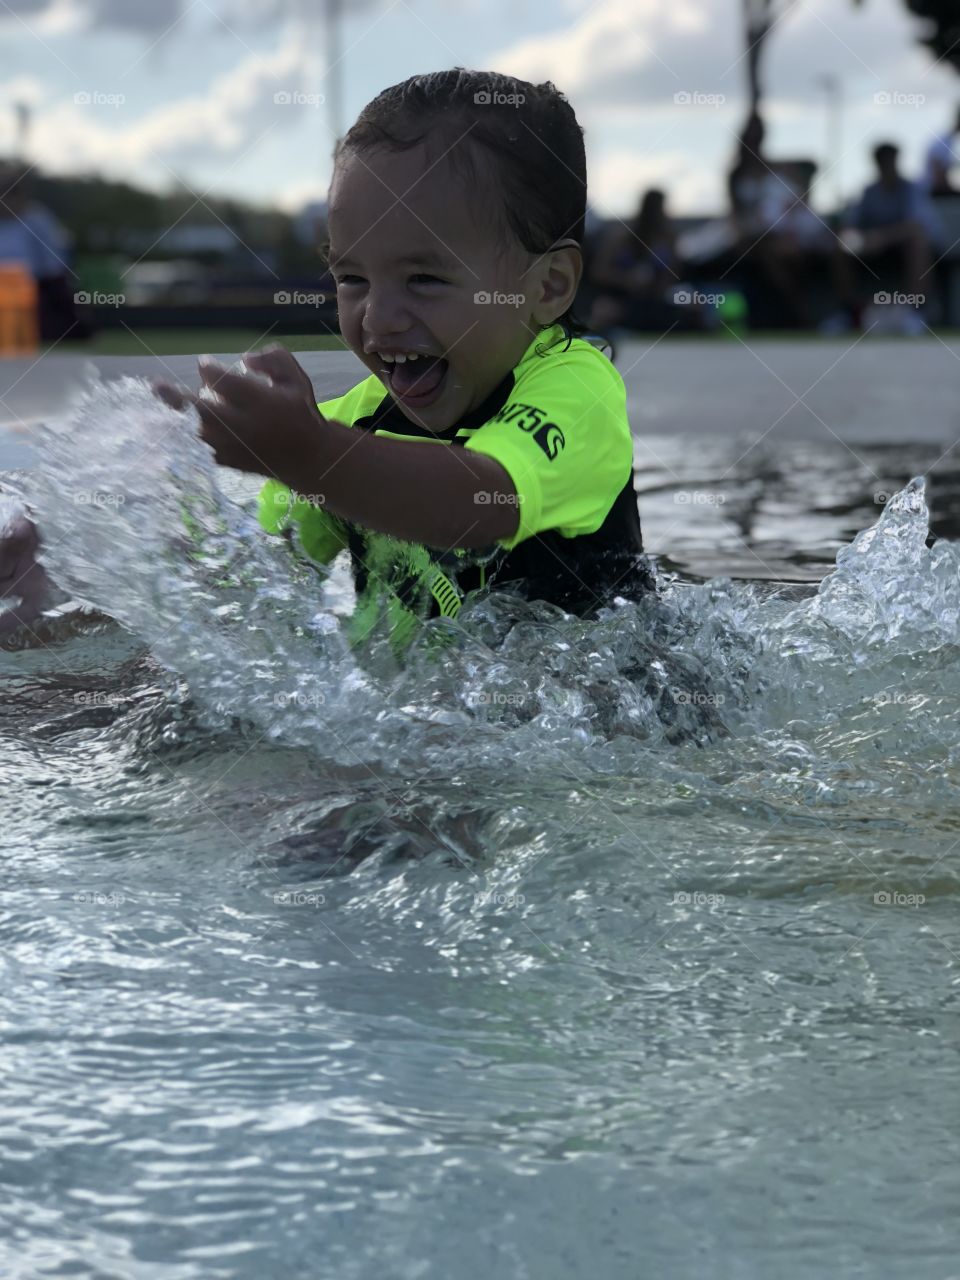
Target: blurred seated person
892,231
32,236
758,194
633,269
942,155
803,230
775,232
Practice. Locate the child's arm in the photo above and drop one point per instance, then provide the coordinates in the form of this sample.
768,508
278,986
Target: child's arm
425,493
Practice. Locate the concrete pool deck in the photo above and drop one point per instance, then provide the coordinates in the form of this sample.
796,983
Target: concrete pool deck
862,389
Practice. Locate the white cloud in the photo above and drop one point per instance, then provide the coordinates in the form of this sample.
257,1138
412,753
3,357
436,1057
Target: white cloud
627,51
642,52
22,88
238,108
292,198
617,176
151,16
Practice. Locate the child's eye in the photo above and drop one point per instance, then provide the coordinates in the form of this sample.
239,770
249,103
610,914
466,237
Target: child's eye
423,278
349,280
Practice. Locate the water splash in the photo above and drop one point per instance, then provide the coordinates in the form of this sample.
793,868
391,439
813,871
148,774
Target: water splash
890,592
138,521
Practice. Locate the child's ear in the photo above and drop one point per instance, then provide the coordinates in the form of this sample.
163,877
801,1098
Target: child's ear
557,278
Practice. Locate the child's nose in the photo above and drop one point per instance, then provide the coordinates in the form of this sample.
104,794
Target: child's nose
385,313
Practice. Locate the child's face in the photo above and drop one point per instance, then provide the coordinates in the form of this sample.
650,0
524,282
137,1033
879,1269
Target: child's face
415,257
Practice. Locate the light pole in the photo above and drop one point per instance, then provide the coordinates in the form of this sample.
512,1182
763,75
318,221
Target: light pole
22,111
333,80
831,84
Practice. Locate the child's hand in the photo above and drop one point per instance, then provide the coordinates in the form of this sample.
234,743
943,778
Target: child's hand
264,427
20,573
282,368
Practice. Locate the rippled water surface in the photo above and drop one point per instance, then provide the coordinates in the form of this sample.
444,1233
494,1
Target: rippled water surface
623,949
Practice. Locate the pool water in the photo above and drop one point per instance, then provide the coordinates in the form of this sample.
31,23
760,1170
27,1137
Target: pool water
625,948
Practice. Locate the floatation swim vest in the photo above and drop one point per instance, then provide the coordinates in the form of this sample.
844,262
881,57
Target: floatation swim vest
557,423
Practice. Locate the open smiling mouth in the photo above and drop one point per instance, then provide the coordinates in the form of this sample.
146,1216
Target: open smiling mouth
416,382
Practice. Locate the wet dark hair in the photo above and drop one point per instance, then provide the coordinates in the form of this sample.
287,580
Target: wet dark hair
525,142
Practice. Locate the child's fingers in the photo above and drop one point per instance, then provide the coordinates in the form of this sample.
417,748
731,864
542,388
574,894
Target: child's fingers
280,367
275,361
222,429
232,387
174,396
215,416
211,371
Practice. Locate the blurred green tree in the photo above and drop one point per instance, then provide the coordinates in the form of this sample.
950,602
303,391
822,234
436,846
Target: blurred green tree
943,38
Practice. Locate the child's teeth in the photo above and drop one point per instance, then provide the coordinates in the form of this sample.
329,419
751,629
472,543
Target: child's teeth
400,359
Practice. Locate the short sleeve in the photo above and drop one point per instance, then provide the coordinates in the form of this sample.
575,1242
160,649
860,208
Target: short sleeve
564,440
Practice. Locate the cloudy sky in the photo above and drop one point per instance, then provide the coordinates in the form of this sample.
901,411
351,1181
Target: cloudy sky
186,89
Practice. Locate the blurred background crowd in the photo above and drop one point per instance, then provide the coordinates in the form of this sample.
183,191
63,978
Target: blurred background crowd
885,258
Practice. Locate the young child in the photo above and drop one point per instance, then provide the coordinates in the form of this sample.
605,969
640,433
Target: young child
489,445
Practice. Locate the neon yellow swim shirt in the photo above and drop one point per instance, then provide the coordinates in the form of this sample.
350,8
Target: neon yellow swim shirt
557,424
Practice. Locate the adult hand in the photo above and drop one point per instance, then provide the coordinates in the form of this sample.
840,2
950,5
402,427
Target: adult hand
21,575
